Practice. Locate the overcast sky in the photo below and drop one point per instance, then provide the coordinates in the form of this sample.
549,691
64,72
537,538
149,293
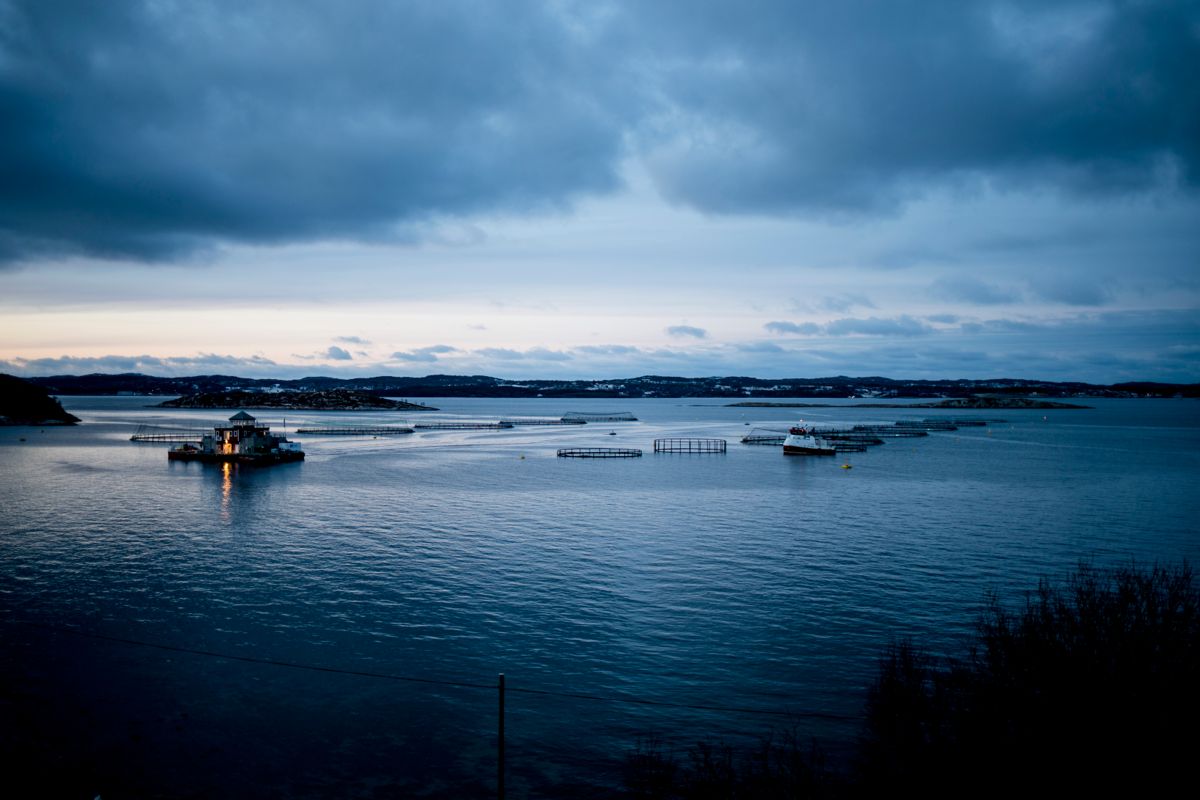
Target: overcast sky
601,189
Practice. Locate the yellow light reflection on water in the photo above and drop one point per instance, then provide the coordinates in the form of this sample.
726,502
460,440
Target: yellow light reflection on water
226,488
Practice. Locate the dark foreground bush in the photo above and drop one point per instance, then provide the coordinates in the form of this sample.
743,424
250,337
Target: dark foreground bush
1092,687
782,767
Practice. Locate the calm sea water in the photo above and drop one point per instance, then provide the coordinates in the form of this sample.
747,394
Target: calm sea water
748,580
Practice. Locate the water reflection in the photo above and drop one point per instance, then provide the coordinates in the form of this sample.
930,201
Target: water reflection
226,489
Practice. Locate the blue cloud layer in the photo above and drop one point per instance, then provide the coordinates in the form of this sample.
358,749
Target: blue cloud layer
1100,347
127,130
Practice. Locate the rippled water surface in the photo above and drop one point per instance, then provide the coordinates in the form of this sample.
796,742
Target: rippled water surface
746,580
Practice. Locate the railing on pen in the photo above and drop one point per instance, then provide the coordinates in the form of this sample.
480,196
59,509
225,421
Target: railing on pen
689,445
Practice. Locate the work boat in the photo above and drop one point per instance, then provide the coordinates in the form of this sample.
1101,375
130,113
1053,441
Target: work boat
801,441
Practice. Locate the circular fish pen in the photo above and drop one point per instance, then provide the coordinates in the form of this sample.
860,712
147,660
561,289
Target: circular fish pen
764,436
689,445
599,452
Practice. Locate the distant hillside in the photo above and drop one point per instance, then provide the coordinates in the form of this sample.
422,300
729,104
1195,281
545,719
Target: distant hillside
24,403
741,387
987,401
330,400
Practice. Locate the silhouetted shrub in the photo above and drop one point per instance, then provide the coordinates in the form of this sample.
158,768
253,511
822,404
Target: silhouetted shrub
780,768
1091,687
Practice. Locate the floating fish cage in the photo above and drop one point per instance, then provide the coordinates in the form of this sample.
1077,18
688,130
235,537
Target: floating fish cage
861,438
764,436
851,437
890,432
599,452
847,439
388,430
541,421
927,425
155,433
689,445
462,426
599,416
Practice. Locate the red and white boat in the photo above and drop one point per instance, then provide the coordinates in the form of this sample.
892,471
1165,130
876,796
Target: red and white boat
800,441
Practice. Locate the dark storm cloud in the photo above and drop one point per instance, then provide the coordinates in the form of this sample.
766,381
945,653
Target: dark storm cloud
146,129
150,130
859,105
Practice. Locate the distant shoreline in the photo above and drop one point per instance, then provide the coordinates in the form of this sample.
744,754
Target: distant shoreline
732,388
952,403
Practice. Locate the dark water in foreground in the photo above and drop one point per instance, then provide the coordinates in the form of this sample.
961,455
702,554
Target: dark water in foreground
747,580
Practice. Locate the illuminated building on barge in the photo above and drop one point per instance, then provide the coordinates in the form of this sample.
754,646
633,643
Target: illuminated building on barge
243,441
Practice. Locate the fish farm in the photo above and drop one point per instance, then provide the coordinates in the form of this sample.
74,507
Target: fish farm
599,416
765,436
462,426
599,452
689,445
890,431
850,440
155,433
927,425
382,431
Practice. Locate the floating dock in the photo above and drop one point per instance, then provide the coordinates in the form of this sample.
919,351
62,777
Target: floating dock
599,452
689,445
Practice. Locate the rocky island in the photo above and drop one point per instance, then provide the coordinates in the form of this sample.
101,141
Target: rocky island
326,400
23,403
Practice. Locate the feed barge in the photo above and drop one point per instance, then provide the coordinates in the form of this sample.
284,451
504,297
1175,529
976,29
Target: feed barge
242,441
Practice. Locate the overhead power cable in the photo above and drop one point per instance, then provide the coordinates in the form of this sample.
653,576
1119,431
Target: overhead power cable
439,682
